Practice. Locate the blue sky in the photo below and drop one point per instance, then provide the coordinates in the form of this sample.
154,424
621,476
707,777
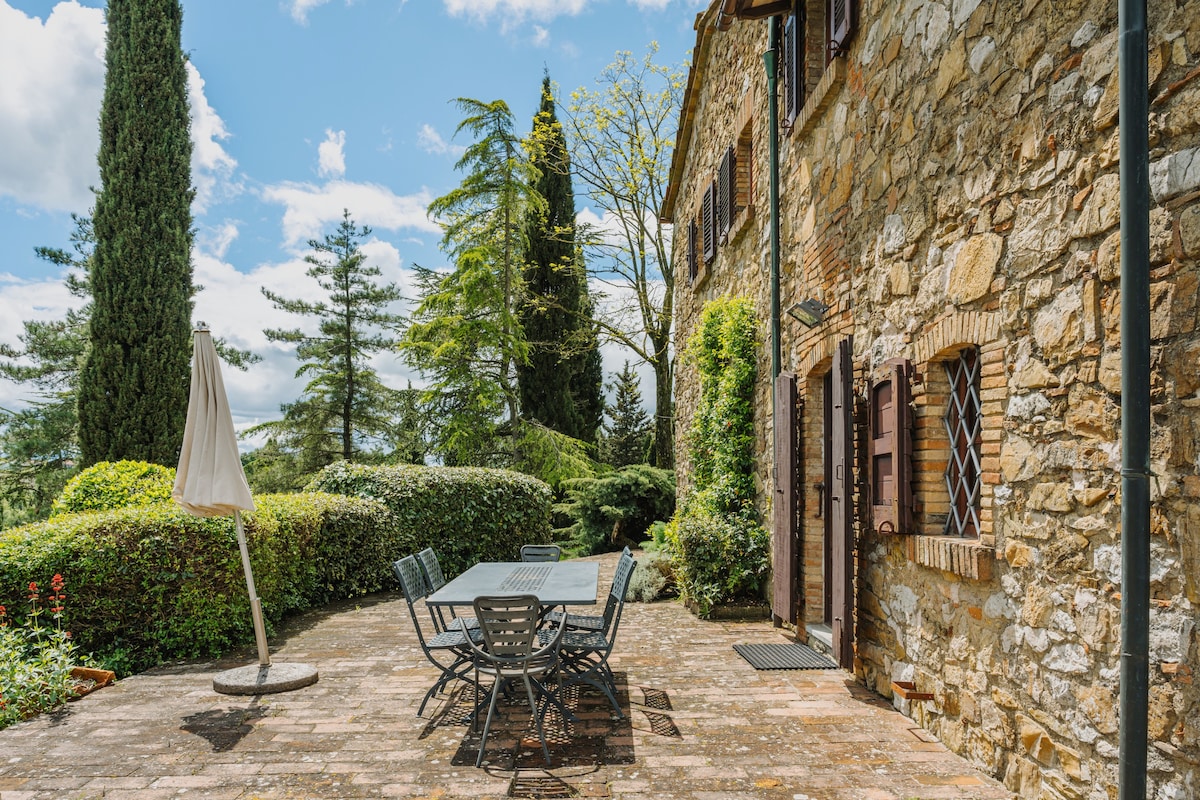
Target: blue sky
300,108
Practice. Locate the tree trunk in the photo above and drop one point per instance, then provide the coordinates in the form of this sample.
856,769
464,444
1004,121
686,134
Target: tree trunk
664,416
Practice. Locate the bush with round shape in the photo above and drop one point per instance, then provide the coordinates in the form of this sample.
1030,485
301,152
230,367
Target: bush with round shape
115,484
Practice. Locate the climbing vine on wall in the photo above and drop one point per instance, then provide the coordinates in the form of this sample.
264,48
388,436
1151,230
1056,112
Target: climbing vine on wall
719,547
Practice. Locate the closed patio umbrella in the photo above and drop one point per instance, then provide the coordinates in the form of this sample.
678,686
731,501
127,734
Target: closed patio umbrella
210,483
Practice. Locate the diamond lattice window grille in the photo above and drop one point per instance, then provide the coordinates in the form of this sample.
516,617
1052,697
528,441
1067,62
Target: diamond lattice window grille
962,421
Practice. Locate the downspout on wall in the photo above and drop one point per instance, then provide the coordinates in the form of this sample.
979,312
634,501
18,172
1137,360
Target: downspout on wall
1135,398
771,60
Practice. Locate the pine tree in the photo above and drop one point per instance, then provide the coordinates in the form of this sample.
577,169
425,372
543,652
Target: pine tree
561,380
466,336
133,389
627,435
344,405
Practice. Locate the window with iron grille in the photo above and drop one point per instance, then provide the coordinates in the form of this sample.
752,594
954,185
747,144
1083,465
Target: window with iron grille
963,426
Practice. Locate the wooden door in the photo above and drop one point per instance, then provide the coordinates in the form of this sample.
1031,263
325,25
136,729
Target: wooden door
841,498
785,575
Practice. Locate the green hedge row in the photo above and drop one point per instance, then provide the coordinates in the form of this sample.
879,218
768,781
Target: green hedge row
466,514
152,583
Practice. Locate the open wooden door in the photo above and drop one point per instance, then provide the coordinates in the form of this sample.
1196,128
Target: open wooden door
841,499
785,574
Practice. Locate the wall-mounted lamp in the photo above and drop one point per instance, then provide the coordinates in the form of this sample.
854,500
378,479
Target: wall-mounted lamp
808,312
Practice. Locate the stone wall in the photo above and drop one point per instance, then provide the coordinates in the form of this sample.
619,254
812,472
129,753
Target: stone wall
954,180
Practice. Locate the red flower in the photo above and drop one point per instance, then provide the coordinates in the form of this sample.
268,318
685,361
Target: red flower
56,583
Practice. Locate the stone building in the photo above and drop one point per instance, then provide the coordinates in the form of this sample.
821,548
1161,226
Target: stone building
947,472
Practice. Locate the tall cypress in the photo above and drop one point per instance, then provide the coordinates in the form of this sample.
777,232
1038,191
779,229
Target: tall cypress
133,390
561,381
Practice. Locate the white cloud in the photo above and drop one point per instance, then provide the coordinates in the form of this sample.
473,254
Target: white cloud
311,210
215,240
212,166
50,99
432,142
331,155
300,8
514,11
22,300
541,36
653,5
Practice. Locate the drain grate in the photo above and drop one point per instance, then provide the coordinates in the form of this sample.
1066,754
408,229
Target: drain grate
784,656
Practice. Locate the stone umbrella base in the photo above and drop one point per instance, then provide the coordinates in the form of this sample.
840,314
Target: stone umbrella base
257,679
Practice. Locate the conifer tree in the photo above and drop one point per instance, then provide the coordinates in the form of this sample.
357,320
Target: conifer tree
627,434
345,404
561,379
133,389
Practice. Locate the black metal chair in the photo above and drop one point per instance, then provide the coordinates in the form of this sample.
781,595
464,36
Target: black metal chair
509,651
585,652
448,650
436,580
541,552
589,622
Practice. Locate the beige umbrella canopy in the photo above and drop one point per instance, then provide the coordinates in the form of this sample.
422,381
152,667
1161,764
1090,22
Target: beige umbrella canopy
210,483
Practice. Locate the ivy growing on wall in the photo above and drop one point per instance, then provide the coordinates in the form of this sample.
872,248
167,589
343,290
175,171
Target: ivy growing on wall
720,549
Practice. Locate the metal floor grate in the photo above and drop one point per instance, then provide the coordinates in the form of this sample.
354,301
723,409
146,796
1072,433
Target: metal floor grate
784,656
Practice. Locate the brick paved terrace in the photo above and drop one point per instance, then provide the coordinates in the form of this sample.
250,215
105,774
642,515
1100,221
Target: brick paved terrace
701,724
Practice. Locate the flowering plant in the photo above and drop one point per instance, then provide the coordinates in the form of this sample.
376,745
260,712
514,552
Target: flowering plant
35,657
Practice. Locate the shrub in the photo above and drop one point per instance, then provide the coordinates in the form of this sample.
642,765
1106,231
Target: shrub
466,514
615,509
115,484
719,559
155,583
653,579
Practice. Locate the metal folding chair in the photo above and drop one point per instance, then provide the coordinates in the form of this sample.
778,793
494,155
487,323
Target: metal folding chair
590,622
448,650
585,652
509,628
436,580
541,552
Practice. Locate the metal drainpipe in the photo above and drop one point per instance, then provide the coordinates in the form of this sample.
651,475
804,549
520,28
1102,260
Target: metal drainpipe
772,64
1135,398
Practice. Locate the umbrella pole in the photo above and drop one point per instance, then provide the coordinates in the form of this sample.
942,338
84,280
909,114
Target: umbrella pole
260,633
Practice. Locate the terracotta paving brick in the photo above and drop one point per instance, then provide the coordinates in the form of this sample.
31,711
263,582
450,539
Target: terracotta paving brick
700,724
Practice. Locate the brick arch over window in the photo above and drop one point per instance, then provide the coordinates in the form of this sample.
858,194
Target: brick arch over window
942,342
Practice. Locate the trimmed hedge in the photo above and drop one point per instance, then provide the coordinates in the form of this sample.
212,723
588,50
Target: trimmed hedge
466,514
149,584
115,484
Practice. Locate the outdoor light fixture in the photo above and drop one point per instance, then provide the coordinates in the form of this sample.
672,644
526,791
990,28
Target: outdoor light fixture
808,313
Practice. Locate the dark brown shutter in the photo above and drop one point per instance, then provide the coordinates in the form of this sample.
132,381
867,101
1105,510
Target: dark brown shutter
891,450
785,574
841,25
693,261
841,496
791,71
708,222
726,192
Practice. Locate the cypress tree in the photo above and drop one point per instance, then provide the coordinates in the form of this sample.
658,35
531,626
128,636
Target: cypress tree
561,381
133,390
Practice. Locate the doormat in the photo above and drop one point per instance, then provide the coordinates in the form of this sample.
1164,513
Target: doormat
784,656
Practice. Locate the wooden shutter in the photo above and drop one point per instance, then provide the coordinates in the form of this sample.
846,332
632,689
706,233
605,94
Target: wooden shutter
841,513
890,470
708,222
693,251
841,25
785,574
726,192
791,71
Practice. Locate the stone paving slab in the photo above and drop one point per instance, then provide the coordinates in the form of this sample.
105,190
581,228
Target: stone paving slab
700,724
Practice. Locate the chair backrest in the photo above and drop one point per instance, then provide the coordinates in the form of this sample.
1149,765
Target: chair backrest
408,572
432,569
620,587
509,624
541,552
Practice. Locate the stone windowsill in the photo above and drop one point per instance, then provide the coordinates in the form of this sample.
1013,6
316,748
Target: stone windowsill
968,558
822,95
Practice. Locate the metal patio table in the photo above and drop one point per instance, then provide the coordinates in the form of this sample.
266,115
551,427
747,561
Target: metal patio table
554,583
